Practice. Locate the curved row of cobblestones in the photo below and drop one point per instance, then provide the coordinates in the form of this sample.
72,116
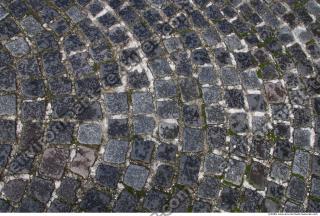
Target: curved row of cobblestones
155,105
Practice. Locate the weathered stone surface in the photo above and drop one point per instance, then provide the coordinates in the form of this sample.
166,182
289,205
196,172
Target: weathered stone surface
115,151
68,188
159,106
275,92
53,162
189,170
164,176
89,134
296,189
209,188
41,189
193,140
235,171
126,202
155,200
257,175
14,189
95,201
107,175
18,47
136,176
58,206
83,160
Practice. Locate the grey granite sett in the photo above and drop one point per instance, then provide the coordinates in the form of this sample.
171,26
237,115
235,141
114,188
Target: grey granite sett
136,176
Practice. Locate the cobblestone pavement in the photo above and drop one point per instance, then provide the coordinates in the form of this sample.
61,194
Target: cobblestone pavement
154,105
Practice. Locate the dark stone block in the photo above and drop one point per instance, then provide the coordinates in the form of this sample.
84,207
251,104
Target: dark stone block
200,206
167,152
60,86
209,188
107,20
165,88
118,128
192,115
191,40
189,89
245,60
108,176
142,150
118,35
160,67
193,140
7,131
126,202
216,137
58,206
189,170
45,41
5,206
14,189
21,164
8,28
95,201
32,88
296,189
53,162
30,205
33,110
164,176
88,87
110,74
28,67
275,190
252,201
234,98
32,135
117,103
168,109
41,189
68,188
229,198
155,200
138,80
18,9
258,175
7,78
5,150
90,30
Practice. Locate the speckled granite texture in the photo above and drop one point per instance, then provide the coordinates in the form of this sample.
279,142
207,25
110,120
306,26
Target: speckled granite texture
159,106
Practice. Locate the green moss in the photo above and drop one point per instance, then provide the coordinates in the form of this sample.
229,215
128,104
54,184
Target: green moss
264,65
180,187
298,4
95,67
203,113
231,132
141,194
312,41
259,74
236,210
230,184
49,96
130,91
182,32
130,190
272,137
243,35
298,176
314,198
248,169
